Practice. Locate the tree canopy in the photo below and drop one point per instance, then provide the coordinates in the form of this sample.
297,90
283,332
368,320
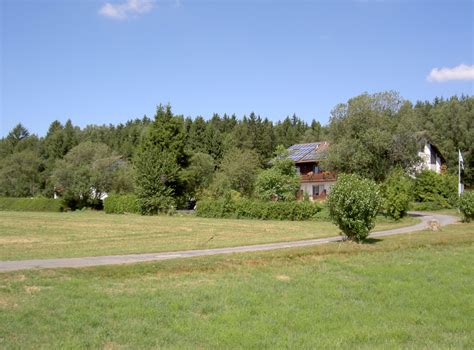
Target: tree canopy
369,135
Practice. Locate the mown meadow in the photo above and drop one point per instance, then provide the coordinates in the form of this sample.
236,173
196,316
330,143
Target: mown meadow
405,291
28,235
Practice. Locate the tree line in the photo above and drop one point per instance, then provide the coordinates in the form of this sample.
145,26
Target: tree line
171,158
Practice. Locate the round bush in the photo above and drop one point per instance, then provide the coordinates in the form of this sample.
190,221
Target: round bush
466,205
353,205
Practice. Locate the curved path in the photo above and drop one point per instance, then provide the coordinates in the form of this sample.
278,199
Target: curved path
133,258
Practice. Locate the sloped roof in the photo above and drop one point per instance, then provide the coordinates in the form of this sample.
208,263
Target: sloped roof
308,152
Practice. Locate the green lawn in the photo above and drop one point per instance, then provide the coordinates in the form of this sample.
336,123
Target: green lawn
406,291
27,235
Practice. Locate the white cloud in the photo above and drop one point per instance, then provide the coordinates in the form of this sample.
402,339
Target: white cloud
461,72
126,9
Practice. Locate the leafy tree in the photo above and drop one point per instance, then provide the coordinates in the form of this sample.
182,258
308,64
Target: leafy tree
281,181
198,175
123,180
353,205
239,168
220,186
436,188
449,124
397,193
158,163
365,139
20,174
85,174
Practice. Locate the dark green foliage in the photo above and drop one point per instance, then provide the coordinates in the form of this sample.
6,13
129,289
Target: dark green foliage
255,209
466,205
198,175
17,134
365,138
20,174
238,171
425,206
85,173
449,124
353,205
121,204
159,162
370,135
31,204
396,193
435,188
281,181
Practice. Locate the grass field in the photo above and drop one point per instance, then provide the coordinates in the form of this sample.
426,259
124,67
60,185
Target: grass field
406,291
28,235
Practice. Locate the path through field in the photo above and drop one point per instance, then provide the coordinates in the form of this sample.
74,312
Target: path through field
134,258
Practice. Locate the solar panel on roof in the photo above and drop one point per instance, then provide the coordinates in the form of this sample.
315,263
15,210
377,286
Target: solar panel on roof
305,151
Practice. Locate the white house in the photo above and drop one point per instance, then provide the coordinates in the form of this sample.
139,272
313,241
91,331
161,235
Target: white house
431,158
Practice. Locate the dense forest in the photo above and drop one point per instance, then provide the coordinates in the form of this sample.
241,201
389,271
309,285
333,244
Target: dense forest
369,135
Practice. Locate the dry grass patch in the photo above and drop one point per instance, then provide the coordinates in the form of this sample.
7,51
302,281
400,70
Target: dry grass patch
28,235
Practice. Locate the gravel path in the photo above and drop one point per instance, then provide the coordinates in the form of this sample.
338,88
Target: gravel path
6,266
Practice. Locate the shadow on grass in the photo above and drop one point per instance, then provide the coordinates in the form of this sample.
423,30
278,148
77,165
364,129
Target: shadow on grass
371,240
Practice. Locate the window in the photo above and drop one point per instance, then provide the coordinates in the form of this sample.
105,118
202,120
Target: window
318,190
433,155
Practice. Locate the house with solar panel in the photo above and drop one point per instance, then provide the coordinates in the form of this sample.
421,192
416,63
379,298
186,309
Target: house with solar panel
309,161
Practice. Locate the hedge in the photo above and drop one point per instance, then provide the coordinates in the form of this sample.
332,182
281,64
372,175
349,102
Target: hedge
31,204
121,204
256,209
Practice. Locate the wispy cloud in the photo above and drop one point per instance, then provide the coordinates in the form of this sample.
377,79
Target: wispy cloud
127,9
461,72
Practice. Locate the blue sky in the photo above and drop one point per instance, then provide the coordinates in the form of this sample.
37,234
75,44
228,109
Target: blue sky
109,61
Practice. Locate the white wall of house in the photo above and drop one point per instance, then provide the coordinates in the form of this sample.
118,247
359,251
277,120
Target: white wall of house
307,187
427,161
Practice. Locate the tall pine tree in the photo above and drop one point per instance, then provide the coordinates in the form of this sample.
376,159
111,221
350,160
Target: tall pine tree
159,161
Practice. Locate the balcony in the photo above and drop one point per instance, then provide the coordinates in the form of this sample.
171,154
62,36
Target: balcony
320,177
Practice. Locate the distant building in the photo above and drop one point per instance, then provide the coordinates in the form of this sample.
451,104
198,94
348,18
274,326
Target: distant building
309,158
431,157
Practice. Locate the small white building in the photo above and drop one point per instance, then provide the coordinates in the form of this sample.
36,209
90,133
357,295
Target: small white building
431,158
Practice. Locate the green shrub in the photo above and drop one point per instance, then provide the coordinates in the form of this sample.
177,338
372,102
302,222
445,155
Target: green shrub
120,204
425,206
281,181
466,205
31,204
353,205
229,207
396,193
436,188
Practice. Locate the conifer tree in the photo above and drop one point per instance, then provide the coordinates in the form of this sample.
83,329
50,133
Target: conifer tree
158,163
